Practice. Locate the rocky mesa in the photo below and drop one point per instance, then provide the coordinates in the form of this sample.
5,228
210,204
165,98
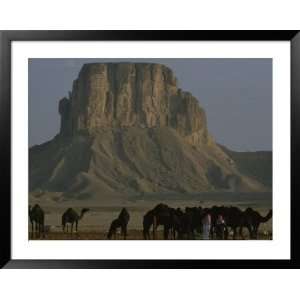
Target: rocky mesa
131,95
127,129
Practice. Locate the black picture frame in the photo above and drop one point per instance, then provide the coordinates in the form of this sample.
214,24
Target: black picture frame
7,37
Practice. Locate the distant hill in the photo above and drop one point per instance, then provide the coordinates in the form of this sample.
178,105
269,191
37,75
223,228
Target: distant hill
257,164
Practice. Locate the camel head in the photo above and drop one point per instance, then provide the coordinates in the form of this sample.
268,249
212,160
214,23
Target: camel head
267,217
84,210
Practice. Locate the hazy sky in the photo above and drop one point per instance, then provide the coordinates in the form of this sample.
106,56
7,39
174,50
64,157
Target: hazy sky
235,93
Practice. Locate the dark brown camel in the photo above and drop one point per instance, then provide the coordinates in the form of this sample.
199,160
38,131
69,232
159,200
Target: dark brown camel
120,222
185,223
194,217
70,216
147,223
37,218
179,223
253,219
161,214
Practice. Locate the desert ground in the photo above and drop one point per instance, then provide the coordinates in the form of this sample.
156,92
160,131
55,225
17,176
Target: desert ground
95,223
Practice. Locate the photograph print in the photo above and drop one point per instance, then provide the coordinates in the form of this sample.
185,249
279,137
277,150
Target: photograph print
150,149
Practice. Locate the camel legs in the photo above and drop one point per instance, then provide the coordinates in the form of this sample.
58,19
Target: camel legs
146,234
220,231
110,233
38,229
255,231
234,233
166,232
154,232
226,233
174,233
250,229
124,231
31,234
241,232
191,235
154,228
43,228
212,231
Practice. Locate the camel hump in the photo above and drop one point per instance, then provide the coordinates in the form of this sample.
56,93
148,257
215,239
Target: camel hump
161,206
161,209
268,216
249,209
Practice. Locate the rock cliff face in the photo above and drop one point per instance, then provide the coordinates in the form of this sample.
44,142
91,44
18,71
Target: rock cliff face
131,95
127,129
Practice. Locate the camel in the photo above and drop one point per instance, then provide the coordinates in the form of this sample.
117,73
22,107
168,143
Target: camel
147,223
194,216
185,223
179,223
70,216
253,219
37,218
161,214
120,222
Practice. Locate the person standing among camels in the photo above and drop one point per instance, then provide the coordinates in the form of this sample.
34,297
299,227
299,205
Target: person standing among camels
220,228
206,225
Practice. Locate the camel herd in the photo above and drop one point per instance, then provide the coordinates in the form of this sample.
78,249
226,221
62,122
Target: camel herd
184,224
176,223
69,217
